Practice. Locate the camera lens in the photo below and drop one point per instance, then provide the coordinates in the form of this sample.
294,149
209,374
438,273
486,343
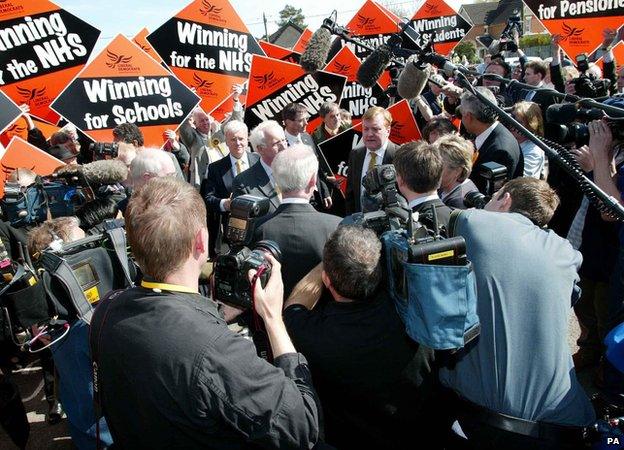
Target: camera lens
271,247
476,200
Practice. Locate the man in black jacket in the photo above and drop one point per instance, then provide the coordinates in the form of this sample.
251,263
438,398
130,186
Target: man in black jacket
299,230
170,373
419,171
494,142
377,150
216,187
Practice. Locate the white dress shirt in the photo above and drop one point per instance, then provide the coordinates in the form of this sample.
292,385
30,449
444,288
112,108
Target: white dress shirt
244,166
380,152
292,140
417,201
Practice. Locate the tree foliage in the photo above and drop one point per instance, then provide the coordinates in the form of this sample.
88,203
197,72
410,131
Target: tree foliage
291,14
467,48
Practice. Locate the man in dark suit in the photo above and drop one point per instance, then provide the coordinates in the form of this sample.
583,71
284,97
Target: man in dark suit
299,230
419,171
268,140
216,186
377,150
494,142
295,117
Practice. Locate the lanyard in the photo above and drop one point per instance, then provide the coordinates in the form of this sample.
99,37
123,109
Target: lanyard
167,287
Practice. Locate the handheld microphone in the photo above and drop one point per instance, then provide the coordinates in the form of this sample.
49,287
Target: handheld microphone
374,65
413,78
316,52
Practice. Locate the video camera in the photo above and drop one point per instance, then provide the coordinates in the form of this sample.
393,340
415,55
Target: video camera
380,184
495,175
514,22
47,197
567,124
104,150
231,282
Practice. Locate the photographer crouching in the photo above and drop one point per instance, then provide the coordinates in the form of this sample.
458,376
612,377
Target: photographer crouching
193,382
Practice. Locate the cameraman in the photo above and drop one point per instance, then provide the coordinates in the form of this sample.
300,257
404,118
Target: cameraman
516,388
171,374
419,172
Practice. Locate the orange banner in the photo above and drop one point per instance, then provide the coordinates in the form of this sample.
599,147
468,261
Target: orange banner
20,153
436,19
618,55
124,84
278,52
141,41
43,47
208,47
20,129
302,42
580,23
273,84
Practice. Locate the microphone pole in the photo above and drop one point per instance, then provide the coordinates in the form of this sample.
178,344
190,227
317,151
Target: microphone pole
604,202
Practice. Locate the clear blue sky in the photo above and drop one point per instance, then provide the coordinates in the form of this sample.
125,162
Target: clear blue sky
129,16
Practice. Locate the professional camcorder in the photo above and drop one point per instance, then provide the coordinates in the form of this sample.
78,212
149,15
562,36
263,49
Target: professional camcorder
380,184
104,150
231,282
567,124
586,85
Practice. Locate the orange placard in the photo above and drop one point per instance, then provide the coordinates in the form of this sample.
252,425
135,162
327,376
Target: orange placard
355,98
223,109
579,22
437,20
43,47
278,52
124,84
208,47
302,42
20,129
404,128
273,84
141,41
372,25
20,153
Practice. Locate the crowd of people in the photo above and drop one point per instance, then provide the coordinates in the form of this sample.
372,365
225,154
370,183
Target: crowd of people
176,369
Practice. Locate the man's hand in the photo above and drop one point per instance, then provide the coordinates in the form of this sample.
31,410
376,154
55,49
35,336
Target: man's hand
237,90
26,113
173,138
269,300
584,157
556,41
608,35
327,202
600,139
450,90
226,203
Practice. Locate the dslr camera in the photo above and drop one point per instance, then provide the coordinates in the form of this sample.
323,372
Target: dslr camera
104,150
495,175
514,22
586,85
231,283
569,126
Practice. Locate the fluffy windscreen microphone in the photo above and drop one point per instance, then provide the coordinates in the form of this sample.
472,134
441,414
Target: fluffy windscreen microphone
413,78
106,171
315,54
373,66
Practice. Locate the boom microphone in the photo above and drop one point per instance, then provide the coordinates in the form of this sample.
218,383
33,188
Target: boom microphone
413,78
106,171
374,65
316,52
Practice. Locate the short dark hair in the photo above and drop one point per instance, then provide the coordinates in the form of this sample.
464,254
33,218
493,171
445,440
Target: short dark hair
328,107
59,138
442,126
129,133
97,211
532,198
420,166
537,67
291,110
351,260
498,61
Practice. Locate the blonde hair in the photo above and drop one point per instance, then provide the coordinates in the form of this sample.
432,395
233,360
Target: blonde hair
378,111
456,152
162,220
529,114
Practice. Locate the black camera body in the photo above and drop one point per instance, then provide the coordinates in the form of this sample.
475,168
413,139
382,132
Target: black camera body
380,182
104,150
231,282
589,87
514,22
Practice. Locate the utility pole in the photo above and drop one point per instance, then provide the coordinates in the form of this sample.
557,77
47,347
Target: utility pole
266,31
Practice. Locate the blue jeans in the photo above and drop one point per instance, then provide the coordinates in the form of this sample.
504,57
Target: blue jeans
72,359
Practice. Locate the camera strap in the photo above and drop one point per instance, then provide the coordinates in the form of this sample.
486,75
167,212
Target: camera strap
117,237
259,331
167,287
